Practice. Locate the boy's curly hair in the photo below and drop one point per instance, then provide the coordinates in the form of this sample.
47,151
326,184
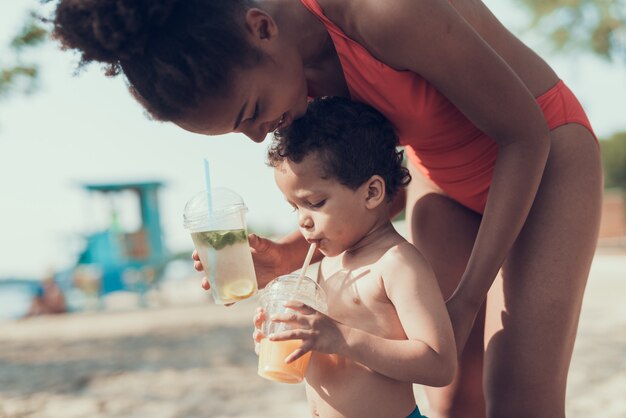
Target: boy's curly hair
353,141
173,53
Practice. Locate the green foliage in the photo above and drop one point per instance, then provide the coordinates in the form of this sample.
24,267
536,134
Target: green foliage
32,34
614,161
17,75
598,26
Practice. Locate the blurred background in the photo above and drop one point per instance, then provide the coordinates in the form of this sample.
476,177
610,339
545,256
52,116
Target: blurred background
91,201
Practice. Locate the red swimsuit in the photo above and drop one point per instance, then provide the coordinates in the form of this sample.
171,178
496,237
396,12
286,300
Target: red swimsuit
439,139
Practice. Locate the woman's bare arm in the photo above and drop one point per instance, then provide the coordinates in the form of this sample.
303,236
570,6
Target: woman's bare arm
430,38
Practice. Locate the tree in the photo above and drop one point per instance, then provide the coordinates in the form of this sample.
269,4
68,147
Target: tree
614,160
598,26
18,75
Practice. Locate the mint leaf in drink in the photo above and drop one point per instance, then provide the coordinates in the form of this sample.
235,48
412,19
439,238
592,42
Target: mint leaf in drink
222,239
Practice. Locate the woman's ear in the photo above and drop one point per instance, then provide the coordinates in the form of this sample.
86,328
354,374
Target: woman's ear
260,26
375,189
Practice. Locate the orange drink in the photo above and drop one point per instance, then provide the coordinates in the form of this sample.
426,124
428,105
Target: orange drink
272,354
272,364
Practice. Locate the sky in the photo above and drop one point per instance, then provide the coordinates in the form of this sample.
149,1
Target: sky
86,128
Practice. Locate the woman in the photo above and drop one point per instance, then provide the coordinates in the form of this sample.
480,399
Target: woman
509,169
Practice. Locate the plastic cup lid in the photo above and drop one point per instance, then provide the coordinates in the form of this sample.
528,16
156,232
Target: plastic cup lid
224,201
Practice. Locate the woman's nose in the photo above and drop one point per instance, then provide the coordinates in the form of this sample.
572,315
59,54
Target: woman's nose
254,133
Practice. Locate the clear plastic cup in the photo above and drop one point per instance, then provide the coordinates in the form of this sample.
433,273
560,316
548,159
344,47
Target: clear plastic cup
272,354
221,238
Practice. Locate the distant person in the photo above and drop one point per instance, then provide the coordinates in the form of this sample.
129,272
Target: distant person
387,325
48,299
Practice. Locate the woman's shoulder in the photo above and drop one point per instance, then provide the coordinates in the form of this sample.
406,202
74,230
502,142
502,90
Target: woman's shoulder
364,21
347,13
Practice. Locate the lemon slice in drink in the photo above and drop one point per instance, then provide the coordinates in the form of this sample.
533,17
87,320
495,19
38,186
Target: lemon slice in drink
239,289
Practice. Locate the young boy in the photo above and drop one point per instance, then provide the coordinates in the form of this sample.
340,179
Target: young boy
387,326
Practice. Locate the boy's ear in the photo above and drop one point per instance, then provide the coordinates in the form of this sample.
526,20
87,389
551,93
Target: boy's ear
375,189
260,25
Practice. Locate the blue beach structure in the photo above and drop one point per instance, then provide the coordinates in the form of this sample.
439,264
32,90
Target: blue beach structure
128,260
113,258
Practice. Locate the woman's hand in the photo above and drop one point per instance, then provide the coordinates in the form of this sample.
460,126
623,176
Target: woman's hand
197,264
462,315
271,259
317,331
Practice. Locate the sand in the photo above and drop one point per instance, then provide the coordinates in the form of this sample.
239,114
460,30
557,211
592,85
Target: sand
191,358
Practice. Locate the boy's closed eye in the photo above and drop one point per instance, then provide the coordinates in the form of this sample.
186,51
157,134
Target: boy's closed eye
316,205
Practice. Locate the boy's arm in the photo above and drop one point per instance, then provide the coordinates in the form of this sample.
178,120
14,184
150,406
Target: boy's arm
429,355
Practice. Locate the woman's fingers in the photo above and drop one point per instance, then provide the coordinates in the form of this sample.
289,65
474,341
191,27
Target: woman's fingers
258,244
205,284
197,264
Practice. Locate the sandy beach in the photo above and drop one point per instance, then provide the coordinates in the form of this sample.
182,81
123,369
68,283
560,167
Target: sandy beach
191,358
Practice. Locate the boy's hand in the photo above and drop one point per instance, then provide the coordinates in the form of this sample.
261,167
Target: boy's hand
317,331
259,318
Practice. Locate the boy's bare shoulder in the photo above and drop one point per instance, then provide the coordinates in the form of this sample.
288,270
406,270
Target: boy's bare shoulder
403,252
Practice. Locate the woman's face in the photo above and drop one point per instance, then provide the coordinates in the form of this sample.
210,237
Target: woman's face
262,99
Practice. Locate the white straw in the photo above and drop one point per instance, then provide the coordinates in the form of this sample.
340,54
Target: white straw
207,181
305,266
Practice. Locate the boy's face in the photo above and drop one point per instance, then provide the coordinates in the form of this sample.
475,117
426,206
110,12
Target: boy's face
330,214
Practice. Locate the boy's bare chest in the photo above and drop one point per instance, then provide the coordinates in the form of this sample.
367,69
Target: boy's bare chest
357,298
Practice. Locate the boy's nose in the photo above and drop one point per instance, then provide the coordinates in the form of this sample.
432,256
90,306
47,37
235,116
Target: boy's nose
304,221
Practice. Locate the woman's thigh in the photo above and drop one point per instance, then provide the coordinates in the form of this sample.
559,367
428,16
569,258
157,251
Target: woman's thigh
444,231
532,314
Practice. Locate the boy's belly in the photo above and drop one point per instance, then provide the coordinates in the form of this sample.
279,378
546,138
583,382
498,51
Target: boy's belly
338,387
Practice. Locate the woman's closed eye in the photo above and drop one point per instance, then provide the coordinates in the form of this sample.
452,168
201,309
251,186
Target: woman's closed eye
255,114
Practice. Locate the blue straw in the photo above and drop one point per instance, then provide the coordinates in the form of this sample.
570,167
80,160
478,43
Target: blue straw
207,181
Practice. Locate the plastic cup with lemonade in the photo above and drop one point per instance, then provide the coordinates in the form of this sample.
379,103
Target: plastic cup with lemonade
220,237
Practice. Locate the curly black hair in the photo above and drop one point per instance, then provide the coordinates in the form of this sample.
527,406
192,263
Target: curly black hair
173,53
353,141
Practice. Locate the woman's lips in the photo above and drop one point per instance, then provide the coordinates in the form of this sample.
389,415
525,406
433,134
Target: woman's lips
283,121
